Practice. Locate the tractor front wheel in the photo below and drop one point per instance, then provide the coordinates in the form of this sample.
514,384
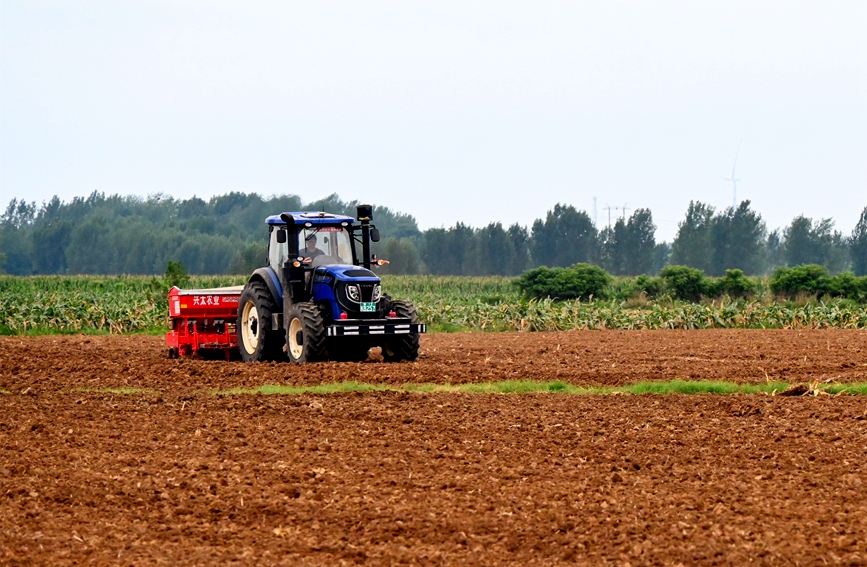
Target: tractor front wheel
402,347
305,334
257,341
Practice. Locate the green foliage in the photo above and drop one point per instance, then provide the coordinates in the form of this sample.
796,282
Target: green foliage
581,281
629,247
85,304
651,287
693,245
733,284
120,304
737,236
809,242
402,255
463,250
809,279
565,237
815,280
684,283
249,258
131,235
115,234
858,245
665,387
176,275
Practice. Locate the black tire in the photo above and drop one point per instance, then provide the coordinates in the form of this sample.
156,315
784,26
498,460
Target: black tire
257,341
398,348
305,334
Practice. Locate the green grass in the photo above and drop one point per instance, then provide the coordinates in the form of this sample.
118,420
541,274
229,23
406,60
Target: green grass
856,389
531,387
118,390
4,391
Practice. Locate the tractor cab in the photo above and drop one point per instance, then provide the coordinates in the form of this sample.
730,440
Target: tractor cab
311,236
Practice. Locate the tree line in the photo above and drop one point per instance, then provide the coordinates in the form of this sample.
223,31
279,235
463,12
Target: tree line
115,234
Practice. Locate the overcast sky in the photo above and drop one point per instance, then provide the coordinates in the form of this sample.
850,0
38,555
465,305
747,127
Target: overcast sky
449,111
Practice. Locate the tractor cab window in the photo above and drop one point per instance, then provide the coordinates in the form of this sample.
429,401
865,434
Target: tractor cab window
330,241
277,252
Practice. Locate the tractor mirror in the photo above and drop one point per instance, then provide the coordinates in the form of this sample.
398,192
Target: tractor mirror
374,234
281,236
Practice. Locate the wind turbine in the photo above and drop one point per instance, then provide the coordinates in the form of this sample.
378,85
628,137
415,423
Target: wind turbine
733,179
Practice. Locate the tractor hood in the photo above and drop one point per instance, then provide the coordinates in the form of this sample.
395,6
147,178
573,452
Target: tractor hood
352,291
344,273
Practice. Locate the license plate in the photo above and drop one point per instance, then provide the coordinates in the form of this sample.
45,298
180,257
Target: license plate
368,307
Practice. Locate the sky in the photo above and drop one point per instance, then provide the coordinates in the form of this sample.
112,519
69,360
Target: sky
465,111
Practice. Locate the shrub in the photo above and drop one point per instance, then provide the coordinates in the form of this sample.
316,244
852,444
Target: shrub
850,286
733,284
649,287
176,275
684,283
578,281
810,279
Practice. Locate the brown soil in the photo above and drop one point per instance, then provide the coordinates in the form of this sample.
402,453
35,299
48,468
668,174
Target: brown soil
182,476
579,357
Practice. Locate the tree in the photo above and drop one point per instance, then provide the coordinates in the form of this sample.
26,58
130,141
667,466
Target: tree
640,243
775,251
494,251
450,251
858,246
693,245
661,254
519,241
818,243
402,255
566,237
737,238
434,257
610,244
48,238
14,243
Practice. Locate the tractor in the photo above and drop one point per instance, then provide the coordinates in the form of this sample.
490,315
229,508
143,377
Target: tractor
317,299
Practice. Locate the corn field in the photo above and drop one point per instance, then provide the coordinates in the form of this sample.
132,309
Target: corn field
122,304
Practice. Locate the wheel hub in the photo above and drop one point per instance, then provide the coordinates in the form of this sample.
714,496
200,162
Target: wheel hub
250,328
296,339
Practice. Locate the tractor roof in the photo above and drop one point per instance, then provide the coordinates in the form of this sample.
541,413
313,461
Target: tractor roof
313,217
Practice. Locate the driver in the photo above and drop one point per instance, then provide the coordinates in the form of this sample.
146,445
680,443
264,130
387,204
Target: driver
312,251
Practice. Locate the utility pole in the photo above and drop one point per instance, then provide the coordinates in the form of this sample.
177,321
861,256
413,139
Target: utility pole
623,210
607,208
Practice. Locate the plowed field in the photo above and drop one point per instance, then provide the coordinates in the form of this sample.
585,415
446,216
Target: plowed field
178,475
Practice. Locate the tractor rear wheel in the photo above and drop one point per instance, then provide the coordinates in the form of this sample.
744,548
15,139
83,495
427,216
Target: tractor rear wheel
305,334
402,347
257,341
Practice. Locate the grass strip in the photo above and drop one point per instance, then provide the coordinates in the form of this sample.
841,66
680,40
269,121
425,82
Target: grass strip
858,389
531,387
117,390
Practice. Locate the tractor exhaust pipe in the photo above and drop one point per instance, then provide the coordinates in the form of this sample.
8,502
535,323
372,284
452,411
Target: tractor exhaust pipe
365,215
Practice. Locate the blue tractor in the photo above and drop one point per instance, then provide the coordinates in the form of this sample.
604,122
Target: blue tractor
318,299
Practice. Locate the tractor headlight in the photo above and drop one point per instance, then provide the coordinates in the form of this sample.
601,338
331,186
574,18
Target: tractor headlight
377,292
352,293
